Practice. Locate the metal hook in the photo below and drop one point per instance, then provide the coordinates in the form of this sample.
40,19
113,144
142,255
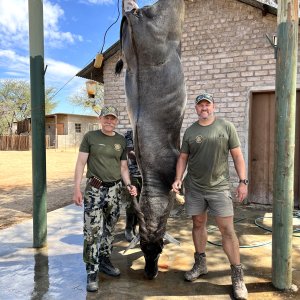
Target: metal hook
273,43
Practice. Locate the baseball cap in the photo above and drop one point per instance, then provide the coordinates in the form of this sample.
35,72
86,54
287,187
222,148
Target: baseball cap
204,96
109,110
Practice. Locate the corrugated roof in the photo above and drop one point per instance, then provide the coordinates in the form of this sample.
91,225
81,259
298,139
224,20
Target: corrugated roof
66,114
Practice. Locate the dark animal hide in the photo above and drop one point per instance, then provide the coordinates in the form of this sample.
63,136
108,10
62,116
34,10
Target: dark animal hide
156,98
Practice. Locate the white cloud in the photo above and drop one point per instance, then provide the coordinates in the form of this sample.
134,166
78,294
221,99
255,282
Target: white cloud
61,76
17,66
53,36
99,2
14,44
14,64
14,25
59,72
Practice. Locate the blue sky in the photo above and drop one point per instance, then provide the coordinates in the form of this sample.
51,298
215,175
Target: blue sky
73,35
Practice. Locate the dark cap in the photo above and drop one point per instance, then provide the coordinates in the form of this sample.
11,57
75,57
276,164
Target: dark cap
109,110
204,96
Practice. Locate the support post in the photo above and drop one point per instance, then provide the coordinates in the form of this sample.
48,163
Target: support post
283,193
37,84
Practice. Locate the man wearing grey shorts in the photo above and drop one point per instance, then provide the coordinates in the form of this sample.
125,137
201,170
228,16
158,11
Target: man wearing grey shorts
204,152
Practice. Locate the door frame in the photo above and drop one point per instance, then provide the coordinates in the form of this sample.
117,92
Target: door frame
252,91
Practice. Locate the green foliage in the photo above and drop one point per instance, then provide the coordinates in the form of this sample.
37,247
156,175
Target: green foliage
15,103
90,104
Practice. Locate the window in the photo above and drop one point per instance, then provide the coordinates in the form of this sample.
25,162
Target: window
93,126
77,127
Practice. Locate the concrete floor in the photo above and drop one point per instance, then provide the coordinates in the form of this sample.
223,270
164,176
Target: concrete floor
57,271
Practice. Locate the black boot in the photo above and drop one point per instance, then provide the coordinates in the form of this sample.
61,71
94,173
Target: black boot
106,267
130,227
92,282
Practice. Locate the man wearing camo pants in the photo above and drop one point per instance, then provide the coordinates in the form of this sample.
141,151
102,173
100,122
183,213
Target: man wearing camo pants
104,152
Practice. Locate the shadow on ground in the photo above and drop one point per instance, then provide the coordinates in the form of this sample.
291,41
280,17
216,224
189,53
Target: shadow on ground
57,271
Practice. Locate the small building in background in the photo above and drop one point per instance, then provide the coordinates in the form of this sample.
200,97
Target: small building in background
62,130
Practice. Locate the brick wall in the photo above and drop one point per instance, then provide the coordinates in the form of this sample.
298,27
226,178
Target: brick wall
114,92
224,52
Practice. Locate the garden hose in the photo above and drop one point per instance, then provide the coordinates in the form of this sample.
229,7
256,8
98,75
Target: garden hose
296,214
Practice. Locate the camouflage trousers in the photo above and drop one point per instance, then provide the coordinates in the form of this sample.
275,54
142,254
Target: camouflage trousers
101,213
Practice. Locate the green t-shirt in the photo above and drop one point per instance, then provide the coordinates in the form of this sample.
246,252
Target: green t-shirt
105,154
208,148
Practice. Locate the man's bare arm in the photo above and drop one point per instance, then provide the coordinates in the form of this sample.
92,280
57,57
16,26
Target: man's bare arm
240,167
80,164
180,168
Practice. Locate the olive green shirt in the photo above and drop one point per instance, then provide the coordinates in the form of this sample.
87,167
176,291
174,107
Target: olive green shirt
105,155
208,148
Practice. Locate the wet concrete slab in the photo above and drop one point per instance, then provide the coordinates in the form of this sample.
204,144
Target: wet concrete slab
57,271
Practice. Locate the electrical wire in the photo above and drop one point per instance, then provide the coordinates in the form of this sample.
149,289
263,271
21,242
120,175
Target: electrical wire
103,44
62,87
296,214
118,4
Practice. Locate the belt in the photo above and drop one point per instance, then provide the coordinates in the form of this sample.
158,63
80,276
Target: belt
111,183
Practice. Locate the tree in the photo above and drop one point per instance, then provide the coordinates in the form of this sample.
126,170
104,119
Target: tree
15,104
82,100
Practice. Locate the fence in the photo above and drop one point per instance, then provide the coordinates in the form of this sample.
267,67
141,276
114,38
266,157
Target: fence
18,142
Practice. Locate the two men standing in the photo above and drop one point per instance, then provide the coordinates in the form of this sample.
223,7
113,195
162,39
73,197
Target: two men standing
204,152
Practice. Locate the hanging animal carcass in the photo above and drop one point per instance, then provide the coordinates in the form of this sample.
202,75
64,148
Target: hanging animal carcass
156,98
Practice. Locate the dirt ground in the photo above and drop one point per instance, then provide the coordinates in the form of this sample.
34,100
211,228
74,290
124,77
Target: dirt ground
16,183
16,206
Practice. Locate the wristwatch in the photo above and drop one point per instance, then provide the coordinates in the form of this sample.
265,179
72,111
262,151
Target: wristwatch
244,181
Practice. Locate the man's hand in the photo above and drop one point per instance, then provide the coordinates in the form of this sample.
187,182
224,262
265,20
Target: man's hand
77,197
241,192
132,190
176,186
131,155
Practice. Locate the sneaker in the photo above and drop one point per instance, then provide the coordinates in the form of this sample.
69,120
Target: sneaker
239,288
92,282
106,267
199,268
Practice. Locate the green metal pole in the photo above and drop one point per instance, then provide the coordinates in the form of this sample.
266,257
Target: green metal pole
37,82
283,193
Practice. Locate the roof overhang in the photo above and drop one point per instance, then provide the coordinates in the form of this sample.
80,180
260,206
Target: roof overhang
265,8
92,73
